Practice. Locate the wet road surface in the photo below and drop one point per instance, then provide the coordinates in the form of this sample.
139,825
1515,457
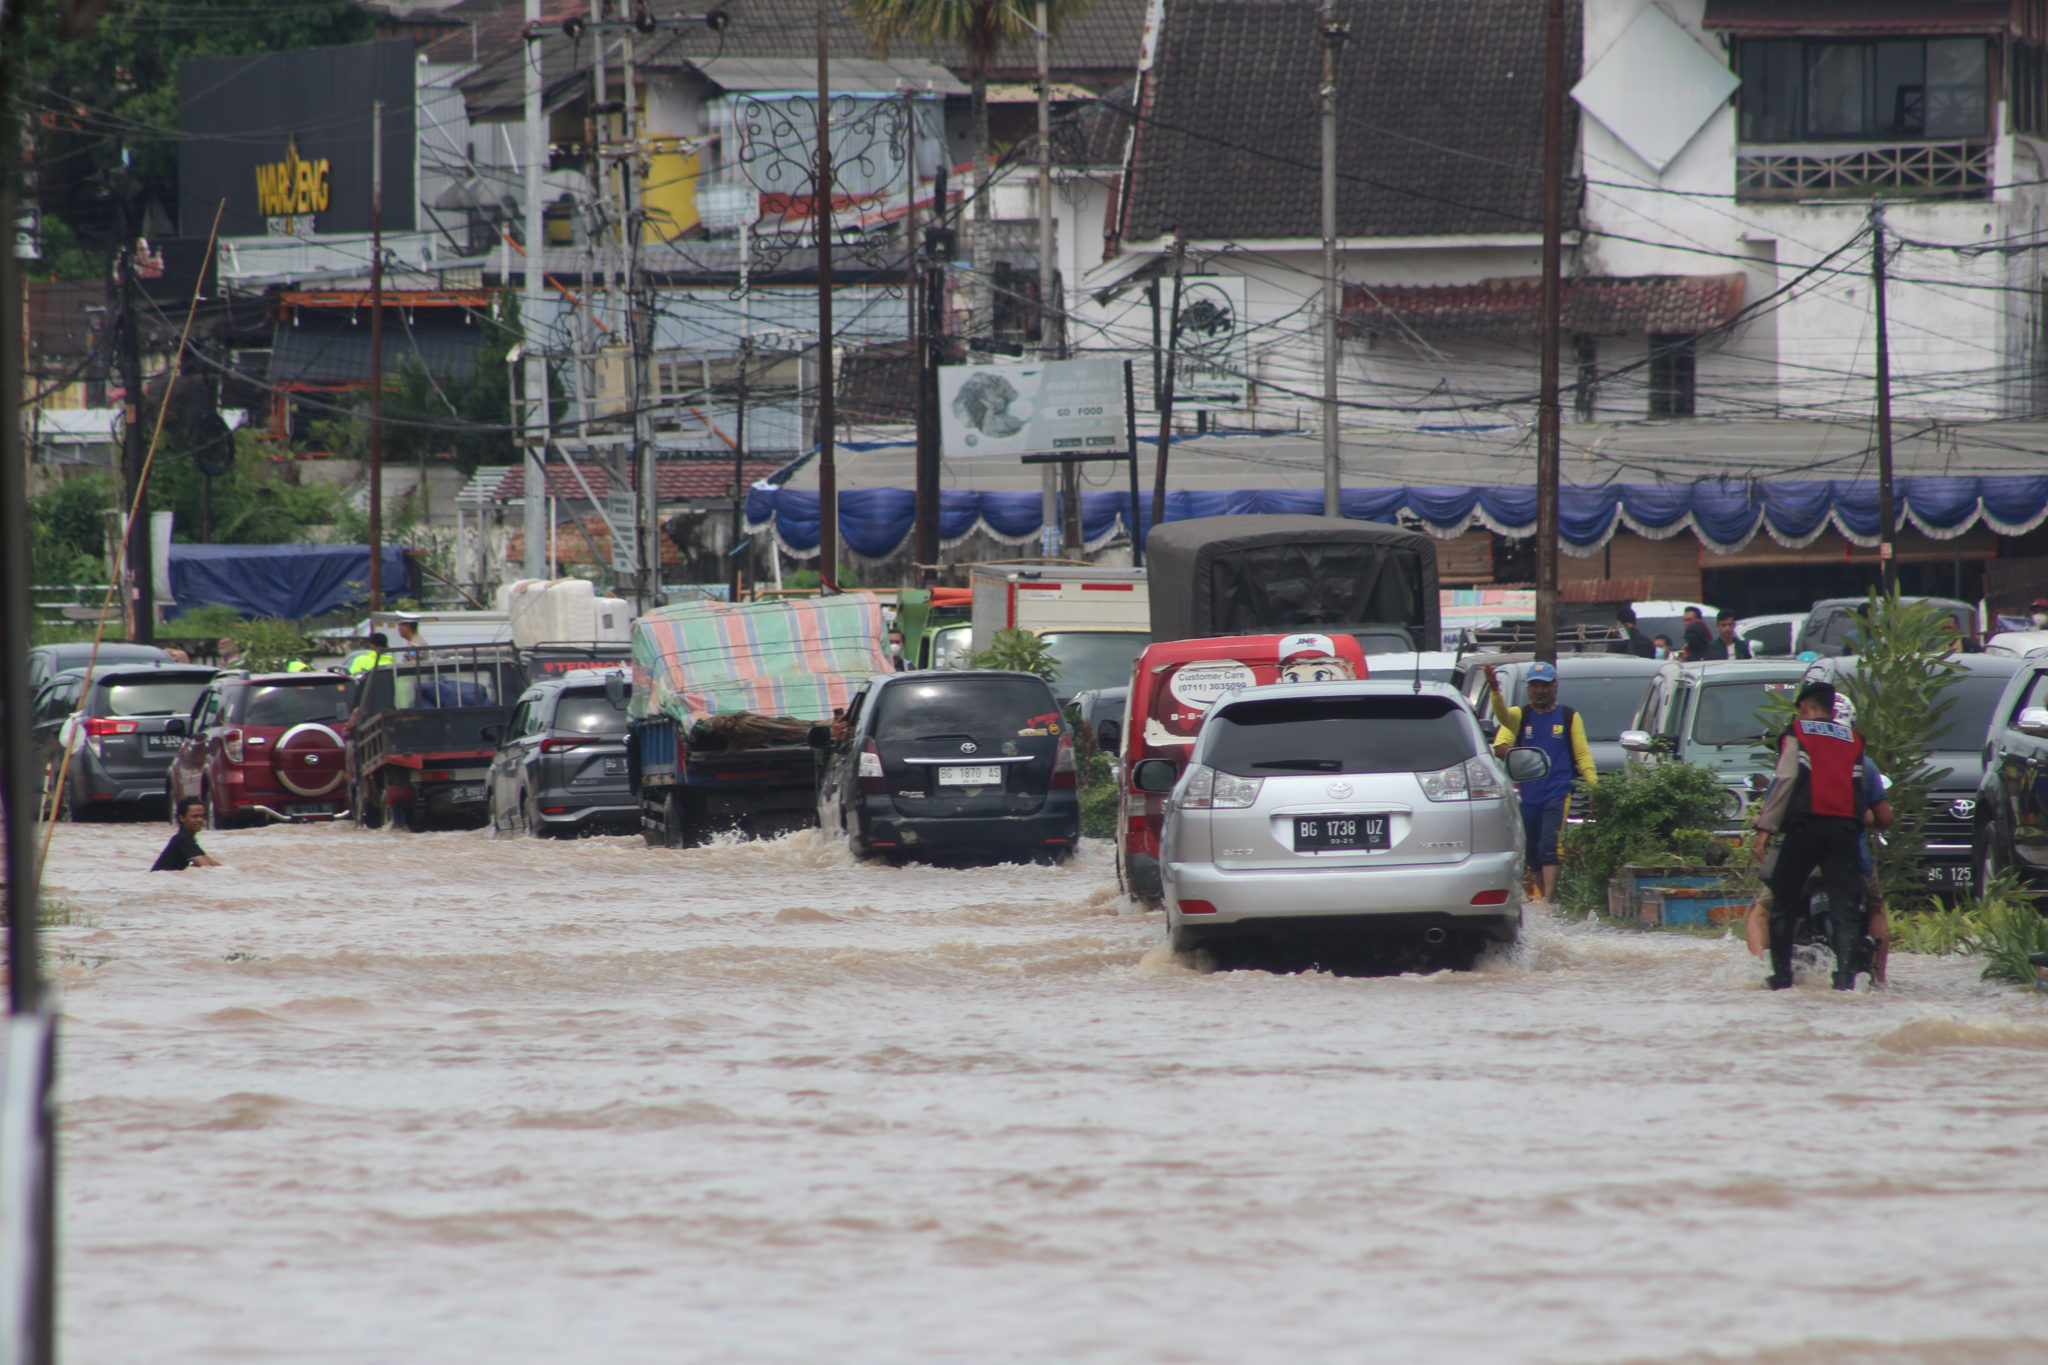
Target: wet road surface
382,1097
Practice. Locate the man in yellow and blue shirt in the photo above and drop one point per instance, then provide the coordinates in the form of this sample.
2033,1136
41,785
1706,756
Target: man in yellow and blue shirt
1560,732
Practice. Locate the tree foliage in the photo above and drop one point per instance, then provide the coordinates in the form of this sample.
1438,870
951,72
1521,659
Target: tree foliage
253,504
67,530
1904,667
88,98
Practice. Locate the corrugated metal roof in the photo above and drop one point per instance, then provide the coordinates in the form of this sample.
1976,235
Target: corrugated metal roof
678,480
1679,304
325,350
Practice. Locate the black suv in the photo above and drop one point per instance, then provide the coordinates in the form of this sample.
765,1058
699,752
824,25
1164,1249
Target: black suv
117,724
561,762
951,762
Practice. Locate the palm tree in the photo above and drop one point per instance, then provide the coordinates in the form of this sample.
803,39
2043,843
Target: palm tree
982,28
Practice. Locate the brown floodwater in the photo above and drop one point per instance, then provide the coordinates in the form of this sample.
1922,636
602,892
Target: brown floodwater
393,1098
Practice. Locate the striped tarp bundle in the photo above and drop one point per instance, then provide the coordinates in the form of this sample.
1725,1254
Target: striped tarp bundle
786,658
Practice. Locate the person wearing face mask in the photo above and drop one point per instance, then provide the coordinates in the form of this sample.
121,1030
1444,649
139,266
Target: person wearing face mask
2039,612
896,650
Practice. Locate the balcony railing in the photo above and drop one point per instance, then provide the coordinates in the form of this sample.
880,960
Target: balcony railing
1936,170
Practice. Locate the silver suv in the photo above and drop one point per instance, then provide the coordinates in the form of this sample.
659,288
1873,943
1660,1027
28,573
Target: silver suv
1343,820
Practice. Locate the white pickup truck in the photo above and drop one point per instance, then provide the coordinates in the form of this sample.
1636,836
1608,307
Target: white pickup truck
1095,620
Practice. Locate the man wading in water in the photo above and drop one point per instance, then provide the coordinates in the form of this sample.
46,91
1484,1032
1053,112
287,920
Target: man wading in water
183,850
1557,731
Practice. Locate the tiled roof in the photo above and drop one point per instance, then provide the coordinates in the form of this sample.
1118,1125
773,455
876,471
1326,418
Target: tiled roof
1100,44
1440,108
317,349
1858,16
679,480
878,384
1681,304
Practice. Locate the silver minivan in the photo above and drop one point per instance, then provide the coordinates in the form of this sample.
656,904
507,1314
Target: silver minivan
1343,820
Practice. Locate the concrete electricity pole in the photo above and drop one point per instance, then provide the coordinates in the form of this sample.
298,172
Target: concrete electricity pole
532,299
1887,513
140,558
376,355
821,219
1546,403
1333,34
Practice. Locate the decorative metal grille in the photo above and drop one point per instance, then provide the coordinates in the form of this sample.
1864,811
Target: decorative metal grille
776,156
1949,170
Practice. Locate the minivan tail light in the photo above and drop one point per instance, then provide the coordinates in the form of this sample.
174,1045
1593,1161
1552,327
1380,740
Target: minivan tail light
871,780
231,745
98,725
1063,764
1481,780
1208,789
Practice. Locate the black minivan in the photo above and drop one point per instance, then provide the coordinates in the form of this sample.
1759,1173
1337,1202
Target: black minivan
951,762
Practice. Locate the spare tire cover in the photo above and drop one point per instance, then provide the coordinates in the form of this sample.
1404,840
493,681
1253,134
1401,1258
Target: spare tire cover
309,759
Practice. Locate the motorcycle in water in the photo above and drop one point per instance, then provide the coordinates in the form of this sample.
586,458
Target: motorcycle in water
1843,935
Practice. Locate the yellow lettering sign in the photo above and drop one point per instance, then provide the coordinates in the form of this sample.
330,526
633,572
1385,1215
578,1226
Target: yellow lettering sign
292,187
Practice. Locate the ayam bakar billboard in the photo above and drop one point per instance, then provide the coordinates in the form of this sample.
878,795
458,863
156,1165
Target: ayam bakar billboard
283,140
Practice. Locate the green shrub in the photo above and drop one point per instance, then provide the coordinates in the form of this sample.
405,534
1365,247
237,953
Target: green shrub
1021,650
209,622
267,644
2012,928
1637,816
1098,794
1938,930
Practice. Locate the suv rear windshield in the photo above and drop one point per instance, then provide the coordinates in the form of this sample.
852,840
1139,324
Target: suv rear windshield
1090,659
1387,734
1606,705
150,696
295,703
982,707
589,712
1728,711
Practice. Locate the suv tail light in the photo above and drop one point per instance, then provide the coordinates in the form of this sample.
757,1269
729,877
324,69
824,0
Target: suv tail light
1208,789
872,783
1472,780
1063,764
231,745
558,743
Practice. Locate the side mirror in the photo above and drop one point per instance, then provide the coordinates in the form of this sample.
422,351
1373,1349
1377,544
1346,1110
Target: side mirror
175,726
493,733
819,737
1109,734
2033,721
1154,775
1638,742
615,690
1527,765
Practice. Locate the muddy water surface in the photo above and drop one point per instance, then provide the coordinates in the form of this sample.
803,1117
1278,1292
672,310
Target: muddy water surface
381,1098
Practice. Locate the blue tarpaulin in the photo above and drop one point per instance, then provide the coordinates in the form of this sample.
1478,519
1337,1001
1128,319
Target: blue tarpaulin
874,522
288,581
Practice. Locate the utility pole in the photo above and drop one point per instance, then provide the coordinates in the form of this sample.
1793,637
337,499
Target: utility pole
739,470
1887,516
1180,251
533,298
1333,34
821,213
641,321
141,562
928,384
377,355
1546,403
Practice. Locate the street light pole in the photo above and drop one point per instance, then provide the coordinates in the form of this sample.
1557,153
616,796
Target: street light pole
1887,512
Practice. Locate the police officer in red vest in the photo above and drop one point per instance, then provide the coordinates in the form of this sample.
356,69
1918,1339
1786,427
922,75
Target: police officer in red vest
1816,810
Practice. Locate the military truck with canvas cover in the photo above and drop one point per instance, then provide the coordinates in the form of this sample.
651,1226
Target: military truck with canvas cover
724,696
1260,574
